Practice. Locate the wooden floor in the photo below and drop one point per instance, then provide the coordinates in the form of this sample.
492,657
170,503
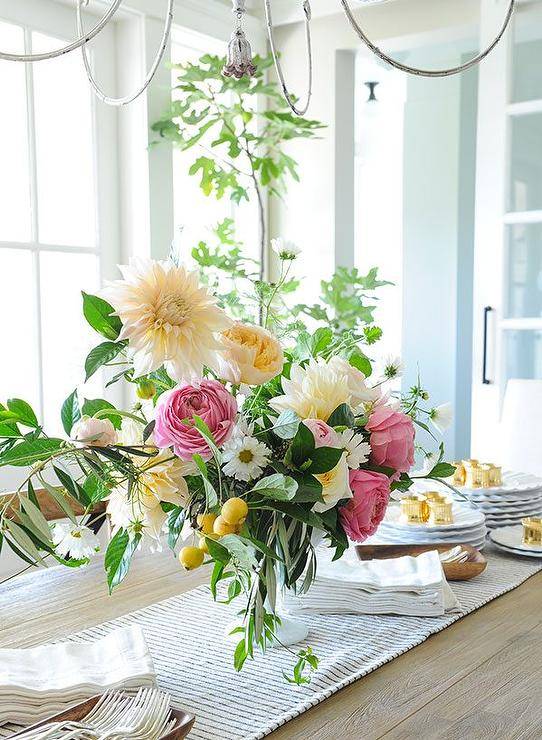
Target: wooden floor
480,678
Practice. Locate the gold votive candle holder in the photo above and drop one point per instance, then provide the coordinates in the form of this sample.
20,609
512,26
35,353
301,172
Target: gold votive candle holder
459,476
485,475
441,511
496,475
414,509
532,531
473,477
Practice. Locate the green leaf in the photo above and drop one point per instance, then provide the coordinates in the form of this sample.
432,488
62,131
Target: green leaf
324,459
70,413
442,470
102,354
23,411
29,452
58,496
216,576
362,363
277,486
118,557
72,486
23,540
302,446
217,551
36,517
175,522
309,489
210,493
98,313
205,432
9,431
240,655
342,417
241,553
93,405
287,424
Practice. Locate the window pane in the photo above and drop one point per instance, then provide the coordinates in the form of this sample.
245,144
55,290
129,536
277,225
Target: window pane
66,338
18,366
15,222
526,163
524,273
64,149
523,355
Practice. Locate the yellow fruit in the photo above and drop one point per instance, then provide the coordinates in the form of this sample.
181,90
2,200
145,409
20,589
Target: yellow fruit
202,544
206,522
145,390
221,527
234,511
191,557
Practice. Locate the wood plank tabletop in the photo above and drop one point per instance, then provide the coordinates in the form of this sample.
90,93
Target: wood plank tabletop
480,678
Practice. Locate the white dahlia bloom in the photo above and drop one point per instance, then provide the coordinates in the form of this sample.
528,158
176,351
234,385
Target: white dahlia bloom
314,391
168,319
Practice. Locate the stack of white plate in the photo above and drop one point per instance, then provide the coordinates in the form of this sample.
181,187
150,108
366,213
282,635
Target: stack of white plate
510,539
468,528
519,496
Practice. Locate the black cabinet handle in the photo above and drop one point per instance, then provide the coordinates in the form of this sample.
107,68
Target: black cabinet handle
485,379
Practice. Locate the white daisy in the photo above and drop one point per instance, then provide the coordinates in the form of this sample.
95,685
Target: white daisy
357,451
75,540
245,457
286,250
442,416
393,367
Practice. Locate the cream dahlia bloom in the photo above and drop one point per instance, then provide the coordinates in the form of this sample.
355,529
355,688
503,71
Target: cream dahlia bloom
168,318
314,391
335,486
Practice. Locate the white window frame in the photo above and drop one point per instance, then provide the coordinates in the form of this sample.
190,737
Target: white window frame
55,20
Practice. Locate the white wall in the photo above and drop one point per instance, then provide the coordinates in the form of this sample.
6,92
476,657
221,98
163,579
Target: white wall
435,207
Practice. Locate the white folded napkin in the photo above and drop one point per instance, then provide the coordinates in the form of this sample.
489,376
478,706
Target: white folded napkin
36,683
406,586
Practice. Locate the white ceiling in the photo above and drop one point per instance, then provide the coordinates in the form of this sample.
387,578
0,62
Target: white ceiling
290,11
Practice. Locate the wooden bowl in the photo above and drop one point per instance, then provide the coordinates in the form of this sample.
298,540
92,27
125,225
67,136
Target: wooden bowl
471,568
183,725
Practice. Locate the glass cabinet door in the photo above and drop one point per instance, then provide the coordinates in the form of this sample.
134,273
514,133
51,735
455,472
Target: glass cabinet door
508,252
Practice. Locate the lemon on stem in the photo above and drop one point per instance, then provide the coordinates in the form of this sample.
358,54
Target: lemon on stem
234,511
191,557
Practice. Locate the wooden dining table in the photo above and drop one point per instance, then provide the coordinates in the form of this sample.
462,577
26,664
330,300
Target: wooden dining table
479,678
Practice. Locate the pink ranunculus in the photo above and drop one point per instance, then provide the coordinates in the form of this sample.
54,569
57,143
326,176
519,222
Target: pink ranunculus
392,439
361,516
324,435
175,413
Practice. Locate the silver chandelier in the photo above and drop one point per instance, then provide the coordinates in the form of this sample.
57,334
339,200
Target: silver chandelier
239,61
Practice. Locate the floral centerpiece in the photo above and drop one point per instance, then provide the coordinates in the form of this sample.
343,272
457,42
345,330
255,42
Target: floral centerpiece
243,449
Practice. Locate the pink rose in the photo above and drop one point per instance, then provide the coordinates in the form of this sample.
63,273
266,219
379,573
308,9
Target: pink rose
175,413
361,516
392,439
324,435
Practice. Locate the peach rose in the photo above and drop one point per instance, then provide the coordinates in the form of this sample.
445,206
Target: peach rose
252,355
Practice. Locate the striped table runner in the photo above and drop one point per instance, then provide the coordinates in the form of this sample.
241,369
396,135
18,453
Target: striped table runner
193,661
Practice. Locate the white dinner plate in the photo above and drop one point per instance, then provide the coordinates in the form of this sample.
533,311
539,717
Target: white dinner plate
464,518
512,538
521,553
512,484
487,506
